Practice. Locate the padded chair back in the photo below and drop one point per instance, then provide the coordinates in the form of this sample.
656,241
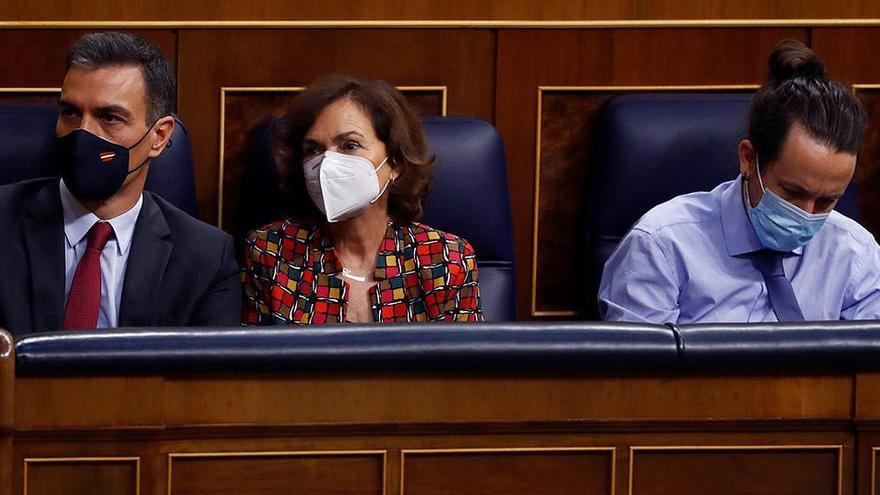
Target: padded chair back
654,147
468,197
28,131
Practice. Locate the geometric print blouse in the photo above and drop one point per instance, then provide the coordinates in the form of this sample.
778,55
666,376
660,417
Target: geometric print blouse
291,276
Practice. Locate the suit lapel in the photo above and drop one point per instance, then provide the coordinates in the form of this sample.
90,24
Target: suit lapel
150,251
44,240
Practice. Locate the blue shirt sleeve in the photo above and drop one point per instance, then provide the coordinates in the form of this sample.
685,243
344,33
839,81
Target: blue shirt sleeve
862,302
639,284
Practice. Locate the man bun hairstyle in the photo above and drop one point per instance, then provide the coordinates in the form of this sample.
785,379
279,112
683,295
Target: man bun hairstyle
792,59
798,91
108,49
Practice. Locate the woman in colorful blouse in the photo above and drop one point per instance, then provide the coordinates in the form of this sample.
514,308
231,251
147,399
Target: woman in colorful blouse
356,169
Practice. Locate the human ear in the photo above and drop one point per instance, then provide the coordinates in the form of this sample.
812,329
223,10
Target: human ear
163,129
747,158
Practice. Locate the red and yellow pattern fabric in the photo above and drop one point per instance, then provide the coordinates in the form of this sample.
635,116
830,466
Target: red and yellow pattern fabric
291,276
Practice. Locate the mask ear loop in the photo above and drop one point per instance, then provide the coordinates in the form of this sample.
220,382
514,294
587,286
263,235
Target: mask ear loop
139,142
760,182
758,170
387,183
382,191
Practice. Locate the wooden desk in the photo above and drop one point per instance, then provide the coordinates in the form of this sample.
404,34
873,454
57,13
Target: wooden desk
437,433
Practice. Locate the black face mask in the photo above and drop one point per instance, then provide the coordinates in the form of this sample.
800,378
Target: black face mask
92,167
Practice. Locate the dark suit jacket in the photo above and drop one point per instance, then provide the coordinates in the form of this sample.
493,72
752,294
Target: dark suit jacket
180,271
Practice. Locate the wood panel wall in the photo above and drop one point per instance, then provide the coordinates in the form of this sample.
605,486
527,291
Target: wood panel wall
527,10
442,432
492,72
530,432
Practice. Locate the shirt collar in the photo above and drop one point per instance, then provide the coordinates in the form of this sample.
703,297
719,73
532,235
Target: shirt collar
739,234
78,220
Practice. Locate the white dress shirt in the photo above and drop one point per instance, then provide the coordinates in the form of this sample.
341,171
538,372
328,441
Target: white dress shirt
78,220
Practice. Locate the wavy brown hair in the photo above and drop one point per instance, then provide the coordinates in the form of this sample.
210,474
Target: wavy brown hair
395,124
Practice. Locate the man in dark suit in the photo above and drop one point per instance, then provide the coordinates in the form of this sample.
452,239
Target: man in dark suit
93,249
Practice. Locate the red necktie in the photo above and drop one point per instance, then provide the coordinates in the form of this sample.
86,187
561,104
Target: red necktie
84,299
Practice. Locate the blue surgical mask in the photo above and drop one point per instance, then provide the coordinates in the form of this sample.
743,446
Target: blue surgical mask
780,225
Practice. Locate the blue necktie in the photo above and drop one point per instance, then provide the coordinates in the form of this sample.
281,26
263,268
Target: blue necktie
779,289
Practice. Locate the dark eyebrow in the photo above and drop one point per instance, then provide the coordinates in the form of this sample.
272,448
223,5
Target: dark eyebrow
793,187
338,138
109,109
114,109
800,190
345,135
65,104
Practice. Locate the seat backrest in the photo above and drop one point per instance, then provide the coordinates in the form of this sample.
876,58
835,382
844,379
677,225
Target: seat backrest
28,131
468,197
652,148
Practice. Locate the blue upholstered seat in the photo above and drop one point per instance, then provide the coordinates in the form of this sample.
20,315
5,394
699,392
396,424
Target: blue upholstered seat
28,131
654,147
468,197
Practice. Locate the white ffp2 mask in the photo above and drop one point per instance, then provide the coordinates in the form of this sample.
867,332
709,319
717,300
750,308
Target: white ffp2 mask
342,186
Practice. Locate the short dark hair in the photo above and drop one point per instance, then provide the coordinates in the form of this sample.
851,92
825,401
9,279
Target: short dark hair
106,49
797,90
395,124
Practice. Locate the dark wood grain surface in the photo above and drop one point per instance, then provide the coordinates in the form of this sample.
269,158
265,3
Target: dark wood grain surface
230,10
86,477
447,433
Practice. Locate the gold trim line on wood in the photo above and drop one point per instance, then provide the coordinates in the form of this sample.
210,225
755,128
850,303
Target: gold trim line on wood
614,471
537,206
658,448
51,460
282,89
262,89
512,450
271,453
735,448
537,193
864,87
440,24
220,171
283,453
874,470
548,313
30,90
692,87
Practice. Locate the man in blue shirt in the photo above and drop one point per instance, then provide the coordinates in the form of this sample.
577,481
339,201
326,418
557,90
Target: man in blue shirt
766,246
